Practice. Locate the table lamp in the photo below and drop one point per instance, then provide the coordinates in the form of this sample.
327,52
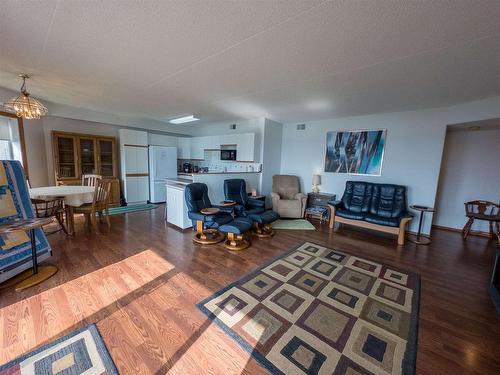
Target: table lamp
316,182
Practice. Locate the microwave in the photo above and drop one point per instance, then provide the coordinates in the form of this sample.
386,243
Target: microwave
227,154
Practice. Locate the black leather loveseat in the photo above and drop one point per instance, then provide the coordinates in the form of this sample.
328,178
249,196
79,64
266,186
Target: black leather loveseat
379,207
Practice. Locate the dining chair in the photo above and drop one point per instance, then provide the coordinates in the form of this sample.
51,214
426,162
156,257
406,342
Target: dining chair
90,179
99,204
482,210
50,209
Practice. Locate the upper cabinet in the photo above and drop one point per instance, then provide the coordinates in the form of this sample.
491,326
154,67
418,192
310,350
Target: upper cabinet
184,148
245,150
133,137
194,148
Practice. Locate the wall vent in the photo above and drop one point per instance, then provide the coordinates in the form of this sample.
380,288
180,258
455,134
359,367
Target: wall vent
232,126
301,127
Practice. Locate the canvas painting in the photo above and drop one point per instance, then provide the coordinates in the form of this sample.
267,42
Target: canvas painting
355,152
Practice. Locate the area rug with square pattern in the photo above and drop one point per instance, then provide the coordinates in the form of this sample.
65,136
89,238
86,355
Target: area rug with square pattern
81,352
316,310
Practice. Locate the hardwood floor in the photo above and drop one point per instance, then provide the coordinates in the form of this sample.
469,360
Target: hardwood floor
140,283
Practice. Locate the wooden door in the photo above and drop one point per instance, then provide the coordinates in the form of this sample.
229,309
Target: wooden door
88,155
65,157
106,157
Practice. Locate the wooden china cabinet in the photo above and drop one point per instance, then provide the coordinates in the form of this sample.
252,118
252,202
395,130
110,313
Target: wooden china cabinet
77,154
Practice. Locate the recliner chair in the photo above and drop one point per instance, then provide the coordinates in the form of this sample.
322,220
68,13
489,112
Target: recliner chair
236,190
254,209
288,201
196,196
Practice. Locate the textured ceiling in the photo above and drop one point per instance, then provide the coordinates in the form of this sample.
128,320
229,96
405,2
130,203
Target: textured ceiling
288,60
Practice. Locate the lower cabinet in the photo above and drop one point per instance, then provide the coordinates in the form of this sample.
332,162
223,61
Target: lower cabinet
176,207
137,189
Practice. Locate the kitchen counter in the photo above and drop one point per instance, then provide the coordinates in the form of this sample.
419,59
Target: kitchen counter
204,173
185,180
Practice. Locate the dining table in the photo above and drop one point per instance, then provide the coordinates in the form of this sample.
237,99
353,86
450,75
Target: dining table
72,195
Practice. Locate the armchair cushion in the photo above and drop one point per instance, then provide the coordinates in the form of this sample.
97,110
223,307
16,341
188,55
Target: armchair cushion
256,203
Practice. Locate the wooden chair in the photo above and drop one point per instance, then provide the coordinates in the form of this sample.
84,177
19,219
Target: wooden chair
482,210
53,209
90,179
98,206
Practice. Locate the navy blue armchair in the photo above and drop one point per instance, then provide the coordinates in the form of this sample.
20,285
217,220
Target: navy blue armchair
196,196
253,209
236,190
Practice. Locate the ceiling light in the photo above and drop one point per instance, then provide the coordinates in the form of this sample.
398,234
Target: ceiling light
182,120
24,105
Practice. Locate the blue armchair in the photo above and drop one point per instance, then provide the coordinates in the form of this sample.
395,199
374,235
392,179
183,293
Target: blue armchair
253,209
206,225
236,190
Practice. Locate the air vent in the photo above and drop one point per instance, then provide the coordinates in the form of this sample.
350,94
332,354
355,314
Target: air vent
232,126
301,127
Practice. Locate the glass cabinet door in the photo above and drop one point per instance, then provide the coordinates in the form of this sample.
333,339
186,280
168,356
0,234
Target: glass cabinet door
87,156
106,157
66,157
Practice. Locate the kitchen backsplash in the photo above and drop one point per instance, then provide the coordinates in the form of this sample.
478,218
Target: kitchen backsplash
214,164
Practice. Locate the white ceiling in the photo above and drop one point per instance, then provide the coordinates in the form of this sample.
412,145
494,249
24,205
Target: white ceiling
288,60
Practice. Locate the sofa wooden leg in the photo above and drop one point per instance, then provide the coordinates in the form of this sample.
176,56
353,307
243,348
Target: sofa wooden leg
332,217
402,231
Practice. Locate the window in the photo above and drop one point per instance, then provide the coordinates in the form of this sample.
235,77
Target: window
12,139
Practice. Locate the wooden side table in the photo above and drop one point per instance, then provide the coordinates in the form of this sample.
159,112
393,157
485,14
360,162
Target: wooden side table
37,274
419,239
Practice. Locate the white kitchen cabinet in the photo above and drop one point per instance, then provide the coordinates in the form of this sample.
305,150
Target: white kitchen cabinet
134,165
133,137
228,139
184,148
245,150
136,189
176,207
198,148
136,159
214,142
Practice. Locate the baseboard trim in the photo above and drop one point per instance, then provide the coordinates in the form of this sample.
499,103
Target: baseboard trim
457,230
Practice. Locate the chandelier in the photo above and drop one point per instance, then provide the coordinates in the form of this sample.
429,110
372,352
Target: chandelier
24,105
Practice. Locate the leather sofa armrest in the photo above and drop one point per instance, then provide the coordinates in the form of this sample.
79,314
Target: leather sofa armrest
256,203
335,203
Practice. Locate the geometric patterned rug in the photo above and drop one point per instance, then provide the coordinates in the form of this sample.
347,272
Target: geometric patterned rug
315,310
80,352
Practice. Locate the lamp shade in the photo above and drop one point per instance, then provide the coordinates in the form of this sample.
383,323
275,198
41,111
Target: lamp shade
316,179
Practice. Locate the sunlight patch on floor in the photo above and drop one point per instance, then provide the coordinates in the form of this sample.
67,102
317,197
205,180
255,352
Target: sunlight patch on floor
37,319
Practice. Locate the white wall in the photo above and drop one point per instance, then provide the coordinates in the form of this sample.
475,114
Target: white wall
412,154
271,155
469,171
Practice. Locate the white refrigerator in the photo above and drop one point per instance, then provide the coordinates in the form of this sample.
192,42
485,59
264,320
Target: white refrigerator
162,165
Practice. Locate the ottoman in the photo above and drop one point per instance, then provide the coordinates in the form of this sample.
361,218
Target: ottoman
235,231
262,223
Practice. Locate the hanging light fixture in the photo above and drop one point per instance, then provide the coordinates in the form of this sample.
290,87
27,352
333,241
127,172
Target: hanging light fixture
24,105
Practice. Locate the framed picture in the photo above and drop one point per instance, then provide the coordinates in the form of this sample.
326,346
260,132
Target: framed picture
355,151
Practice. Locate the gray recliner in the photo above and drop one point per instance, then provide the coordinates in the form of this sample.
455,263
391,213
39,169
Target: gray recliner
288,201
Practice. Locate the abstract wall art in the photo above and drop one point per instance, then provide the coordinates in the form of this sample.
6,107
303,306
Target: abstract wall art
355,151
